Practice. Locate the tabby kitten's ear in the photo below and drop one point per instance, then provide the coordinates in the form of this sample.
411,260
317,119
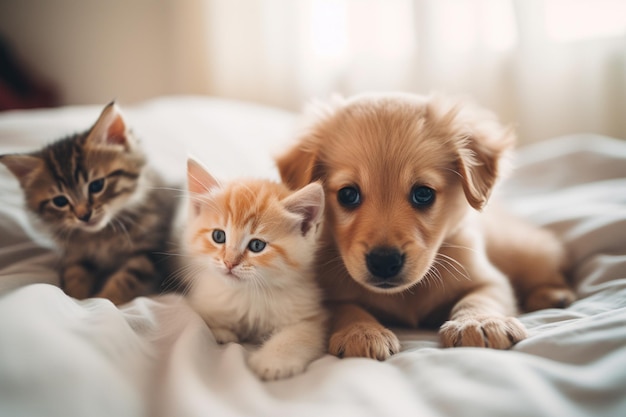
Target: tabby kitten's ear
110,129
22,166
308,203
199,181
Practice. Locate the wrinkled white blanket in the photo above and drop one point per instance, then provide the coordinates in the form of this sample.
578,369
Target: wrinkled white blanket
155,357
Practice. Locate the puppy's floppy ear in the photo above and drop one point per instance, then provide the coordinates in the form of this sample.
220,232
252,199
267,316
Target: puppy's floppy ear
483,153
297,165
301,165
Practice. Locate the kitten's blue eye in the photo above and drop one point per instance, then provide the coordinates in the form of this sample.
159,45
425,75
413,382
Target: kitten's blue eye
256,245
219,236
422,196
60,201
349,197
96,186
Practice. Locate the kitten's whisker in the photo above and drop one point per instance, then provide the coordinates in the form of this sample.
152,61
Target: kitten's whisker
183,276
171,254
180,190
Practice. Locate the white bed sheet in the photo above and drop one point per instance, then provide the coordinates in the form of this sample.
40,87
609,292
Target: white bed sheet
155,357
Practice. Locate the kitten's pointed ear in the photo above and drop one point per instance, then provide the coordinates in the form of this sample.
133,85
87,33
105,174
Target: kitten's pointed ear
110,128
22,166
199,181
308,202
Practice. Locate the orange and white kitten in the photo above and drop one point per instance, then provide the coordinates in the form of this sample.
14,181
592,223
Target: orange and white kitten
251,246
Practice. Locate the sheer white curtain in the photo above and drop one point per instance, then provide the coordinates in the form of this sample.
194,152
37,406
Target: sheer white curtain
550,67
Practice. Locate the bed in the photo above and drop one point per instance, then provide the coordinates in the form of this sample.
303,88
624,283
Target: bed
155,357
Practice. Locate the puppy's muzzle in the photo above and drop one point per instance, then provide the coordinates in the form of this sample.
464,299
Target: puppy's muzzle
385,264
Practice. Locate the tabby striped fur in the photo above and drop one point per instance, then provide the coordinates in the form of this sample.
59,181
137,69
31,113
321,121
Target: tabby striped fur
107,210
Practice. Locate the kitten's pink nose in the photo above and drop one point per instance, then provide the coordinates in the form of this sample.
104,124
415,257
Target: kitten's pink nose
231,264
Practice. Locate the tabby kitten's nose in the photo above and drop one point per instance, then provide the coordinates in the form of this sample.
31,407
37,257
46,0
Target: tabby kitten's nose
85,216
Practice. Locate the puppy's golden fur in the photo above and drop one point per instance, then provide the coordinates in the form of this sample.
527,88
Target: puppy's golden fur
406,240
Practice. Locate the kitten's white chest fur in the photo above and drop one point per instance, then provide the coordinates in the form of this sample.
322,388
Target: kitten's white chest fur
251,311
288,320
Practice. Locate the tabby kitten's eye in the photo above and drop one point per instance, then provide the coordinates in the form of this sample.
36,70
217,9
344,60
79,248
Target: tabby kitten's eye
60,201
219,236
96,186
256,245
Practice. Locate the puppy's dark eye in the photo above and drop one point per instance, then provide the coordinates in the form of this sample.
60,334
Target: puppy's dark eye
349,197
60,201
96,186
256,245
219,236
422,196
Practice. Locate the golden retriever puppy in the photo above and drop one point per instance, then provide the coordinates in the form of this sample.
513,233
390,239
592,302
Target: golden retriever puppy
407,239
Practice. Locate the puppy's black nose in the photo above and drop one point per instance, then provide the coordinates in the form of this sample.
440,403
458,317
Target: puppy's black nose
384,262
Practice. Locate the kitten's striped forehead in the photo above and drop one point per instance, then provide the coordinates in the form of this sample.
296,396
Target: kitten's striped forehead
252,205
250,209
65,160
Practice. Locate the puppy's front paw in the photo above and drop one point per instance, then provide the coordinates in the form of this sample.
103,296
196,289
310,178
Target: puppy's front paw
549,297
364,340
269,366
483,331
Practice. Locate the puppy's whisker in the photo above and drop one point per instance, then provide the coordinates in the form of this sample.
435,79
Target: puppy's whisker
452,263
448,245
433,275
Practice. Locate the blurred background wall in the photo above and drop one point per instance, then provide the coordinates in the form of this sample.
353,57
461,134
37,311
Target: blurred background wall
550,67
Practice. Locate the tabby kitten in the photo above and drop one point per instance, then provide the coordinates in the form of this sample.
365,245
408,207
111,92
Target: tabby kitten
251,246
103,206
